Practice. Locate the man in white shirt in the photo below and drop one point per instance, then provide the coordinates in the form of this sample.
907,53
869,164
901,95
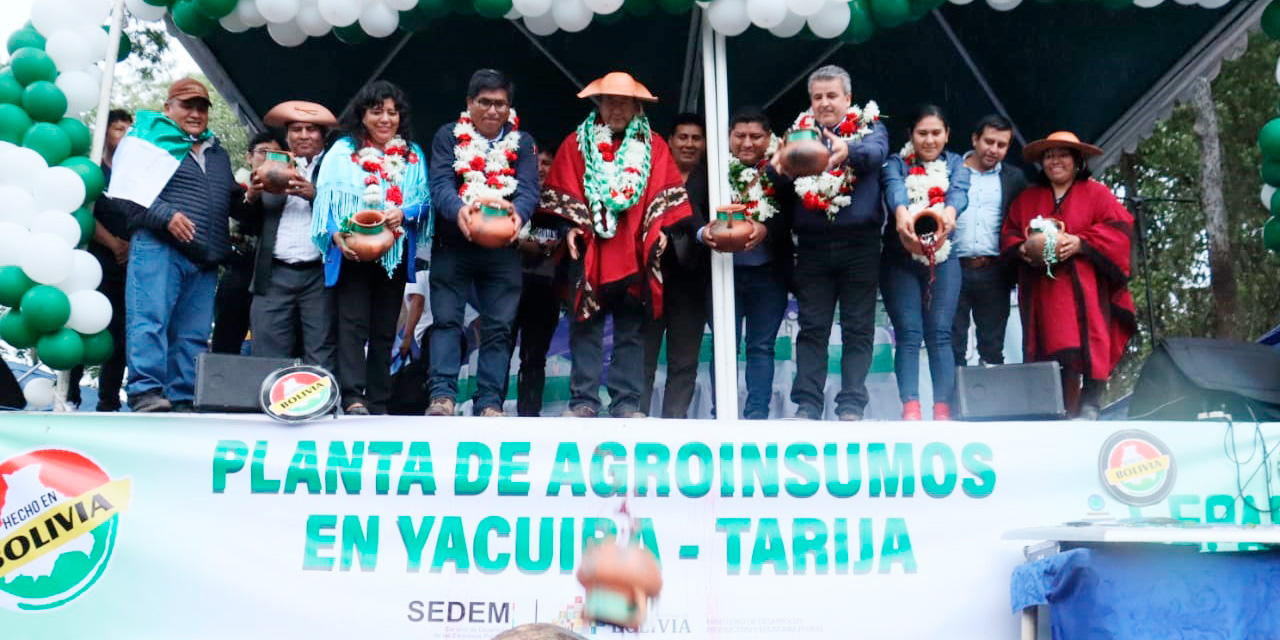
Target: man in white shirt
292,313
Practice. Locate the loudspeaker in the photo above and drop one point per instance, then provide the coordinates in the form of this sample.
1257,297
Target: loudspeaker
1011,392
230,384
1185,377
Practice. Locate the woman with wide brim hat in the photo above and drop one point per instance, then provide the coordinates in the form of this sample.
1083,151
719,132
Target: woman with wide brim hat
1070,237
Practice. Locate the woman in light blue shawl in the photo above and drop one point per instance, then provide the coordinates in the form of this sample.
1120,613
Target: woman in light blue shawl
374,165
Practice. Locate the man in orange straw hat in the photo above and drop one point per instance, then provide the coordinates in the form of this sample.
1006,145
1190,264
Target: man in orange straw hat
289,295
617,184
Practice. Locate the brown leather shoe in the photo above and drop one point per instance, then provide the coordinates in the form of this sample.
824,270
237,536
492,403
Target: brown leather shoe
441,406
580,411
492,412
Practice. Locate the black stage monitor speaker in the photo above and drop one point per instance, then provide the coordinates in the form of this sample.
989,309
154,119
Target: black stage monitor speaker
231,384
1187,377
1010,392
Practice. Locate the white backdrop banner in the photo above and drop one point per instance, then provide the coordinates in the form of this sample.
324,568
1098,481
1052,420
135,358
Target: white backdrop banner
141,527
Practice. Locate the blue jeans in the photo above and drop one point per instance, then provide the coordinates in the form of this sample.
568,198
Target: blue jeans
903,283
761,294
497,277
169,310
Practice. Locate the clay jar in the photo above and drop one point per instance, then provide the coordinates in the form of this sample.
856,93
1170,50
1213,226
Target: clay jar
731,230
492,224
276,171
1036,240
927,226
803,154
369,237
619,580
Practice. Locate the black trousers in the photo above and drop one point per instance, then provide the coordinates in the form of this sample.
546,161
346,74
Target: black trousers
231,306
295,311
843,271
368,303
111,375
536,321
626,362
984,293
684,304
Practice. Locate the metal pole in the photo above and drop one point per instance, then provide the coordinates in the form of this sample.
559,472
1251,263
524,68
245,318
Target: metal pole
715,86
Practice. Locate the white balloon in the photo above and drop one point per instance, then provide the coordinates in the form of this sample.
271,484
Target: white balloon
1213,4
94,72
57,223
790,25
58,189
248,12
96,38
49,16
401,5
17,205
1004,5
311,22
571,16
86,274
19,166
961,2
728,17
378,20
542,24
286,34
766,14
277,11
805,8
69,50
831,20
38,392
93,12
339,13
1185,2
603,7
15,238
233,24
145,12
80,89
1267,192
90,311
532,8
513,14
1146,4
46,258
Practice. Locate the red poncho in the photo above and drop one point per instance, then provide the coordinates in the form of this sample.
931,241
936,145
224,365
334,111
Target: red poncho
631,256
1082,317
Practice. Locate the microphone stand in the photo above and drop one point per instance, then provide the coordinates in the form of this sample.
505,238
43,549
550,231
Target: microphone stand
1137,204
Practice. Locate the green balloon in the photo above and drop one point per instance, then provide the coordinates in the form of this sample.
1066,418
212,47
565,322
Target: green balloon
48,140
10,89
1271,172
1270,237
84,215
98,347
638,7
216,9
160,3
493,8
44,101
1271,21
15,331
32,65
1116,4
45,308
90,173
189,19
1275,200
675,7
609,18
13,283
433,8
79,134
861,27
412,21
26,37
921,8
462,7
350,34
890,13
61,350
1269,140
14,123
126,45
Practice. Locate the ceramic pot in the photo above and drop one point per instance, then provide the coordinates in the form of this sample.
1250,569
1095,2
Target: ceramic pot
492,224
369,237
803,154
731,229
1036,240
276,171
619,580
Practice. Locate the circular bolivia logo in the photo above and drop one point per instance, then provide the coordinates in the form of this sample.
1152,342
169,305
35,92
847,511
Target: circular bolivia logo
59,512
299,392
1137,468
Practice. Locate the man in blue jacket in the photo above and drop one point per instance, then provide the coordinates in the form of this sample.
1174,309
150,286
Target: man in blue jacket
177,181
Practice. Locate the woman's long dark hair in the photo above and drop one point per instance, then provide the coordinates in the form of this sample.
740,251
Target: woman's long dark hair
375,94
1082,170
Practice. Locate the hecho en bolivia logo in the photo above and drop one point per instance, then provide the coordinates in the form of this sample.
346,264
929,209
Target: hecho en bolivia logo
1137,468
59,513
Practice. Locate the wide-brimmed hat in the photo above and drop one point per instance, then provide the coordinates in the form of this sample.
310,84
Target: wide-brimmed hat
1058,140
300,111
617,83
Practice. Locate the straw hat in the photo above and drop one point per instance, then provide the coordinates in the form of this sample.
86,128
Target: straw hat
1058,140
617,83
299,111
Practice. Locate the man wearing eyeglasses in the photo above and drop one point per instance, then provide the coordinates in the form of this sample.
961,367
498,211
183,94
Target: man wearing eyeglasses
482,156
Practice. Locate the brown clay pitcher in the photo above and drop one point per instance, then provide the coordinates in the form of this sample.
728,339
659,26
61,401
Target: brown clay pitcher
276,171
369,237
619,580
731,230
492,224
803,153
1036,240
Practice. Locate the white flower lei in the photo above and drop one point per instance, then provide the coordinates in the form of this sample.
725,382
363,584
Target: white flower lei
918,188
498,179
832,190
750,191
386,164
612,187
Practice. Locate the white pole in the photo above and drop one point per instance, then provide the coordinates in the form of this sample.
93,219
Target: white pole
716,91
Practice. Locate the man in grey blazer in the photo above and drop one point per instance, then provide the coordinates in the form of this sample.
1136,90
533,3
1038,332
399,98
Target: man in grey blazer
984,291
292,313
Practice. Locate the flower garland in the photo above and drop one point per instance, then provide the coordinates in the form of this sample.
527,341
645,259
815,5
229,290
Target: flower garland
485,172
384,166
752,186
613,181
832,190
927,184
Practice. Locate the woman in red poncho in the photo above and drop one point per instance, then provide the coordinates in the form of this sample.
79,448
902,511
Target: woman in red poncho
1071,238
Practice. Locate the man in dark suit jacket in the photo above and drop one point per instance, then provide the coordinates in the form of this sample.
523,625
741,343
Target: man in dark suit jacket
292,313
984,292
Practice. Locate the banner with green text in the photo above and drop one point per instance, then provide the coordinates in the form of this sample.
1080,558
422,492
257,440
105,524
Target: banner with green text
194,527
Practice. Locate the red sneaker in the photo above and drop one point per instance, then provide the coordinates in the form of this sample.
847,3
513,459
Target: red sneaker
911,410
941,411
